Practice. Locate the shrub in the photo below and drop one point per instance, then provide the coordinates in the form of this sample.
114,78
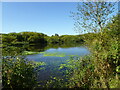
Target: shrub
18,72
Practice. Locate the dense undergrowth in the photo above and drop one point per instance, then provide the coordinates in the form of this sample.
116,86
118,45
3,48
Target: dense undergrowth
18,72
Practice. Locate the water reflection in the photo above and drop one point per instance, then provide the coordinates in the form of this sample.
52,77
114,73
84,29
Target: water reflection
51,69
17,50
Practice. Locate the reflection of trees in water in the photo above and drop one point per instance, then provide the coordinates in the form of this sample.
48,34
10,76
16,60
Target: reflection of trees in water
17,50
64,45
36,47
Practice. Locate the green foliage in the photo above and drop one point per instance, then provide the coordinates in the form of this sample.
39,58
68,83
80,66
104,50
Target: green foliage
53,39
102,65
103,44
19,72
71,38
27,38
56,54
8,39
79,72
93,16
29,53
12,51
118,69
23,38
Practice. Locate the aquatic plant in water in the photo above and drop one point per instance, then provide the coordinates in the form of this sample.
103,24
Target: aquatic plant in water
56,54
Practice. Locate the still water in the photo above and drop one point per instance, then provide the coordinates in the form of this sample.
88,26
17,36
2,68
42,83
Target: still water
59,54
52,56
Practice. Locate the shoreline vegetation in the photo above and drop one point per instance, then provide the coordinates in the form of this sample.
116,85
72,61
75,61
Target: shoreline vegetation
82,73
100,69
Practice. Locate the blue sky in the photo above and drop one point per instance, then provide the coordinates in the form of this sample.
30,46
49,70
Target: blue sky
44,17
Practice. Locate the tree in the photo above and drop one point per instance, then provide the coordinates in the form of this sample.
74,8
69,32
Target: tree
93,16
54,39
8,39
113,27
56,34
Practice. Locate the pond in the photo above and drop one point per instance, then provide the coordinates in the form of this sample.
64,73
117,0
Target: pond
52,56
59,55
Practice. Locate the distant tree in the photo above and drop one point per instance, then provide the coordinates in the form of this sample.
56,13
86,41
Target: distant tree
54,39
32,37
8,39
13,33
20,37
56,35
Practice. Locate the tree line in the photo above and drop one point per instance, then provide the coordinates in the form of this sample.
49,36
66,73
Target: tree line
39,38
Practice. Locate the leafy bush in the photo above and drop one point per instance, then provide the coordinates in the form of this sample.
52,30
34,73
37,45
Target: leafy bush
103,68
18,72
